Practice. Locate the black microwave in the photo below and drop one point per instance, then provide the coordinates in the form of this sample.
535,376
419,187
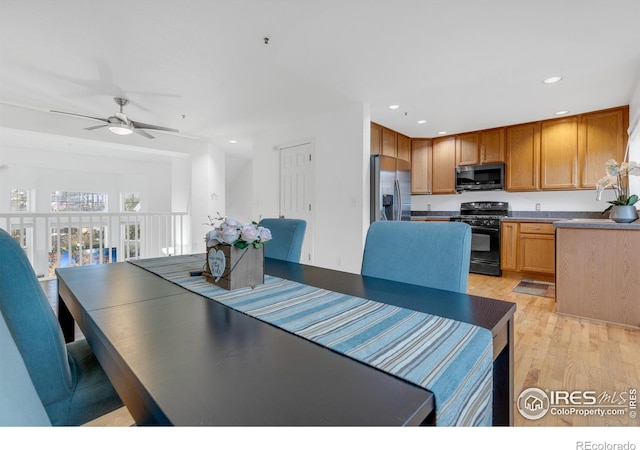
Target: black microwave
485,177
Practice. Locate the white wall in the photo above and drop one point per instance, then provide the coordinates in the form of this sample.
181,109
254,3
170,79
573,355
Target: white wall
634,145
239,188
207,192
341,191
44,171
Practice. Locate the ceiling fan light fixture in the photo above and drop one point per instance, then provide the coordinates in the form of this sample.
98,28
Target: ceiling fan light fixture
120,128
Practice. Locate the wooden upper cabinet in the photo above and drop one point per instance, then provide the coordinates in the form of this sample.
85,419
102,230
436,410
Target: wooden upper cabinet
389,142
482,147
467,149
444,165
559,154
523,157
602,135
376,139
404,147
421,151
492,143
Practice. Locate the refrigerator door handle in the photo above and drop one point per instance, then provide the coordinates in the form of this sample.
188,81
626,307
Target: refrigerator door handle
399,202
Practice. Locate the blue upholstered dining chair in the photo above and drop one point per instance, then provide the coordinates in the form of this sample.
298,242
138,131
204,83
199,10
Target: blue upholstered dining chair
20,404
70,382
433,254
288,235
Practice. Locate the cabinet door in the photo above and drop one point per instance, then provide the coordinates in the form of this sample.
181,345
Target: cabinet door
602,136
404,147
523,157
467,149
492,146
421,166
537,253
444,165
376,139
509,246
389,142
559,154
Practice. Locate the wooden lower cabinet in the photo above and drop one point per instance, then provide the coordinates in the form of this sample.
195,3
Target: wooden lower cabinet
597,274
509,246
528,247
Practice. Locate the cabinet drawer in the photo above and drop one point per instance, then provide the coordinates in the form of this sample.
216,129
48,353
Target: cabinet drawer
537,228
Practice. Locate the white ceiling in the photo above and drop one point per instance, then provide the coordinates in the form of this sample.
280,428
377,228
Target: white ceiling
202,65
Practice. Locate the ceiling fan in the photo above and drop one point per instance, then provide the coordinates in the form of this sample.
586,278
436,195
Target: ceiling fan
120,124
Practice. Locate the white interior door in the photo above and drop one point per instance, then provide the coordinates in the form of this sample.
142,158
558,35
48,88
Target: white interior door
296,191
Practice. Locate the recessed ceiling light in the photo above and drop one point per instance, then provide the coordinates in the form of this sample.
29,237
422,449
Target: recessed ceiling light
551,80
233,142
422,121
394,107
442,132
559,113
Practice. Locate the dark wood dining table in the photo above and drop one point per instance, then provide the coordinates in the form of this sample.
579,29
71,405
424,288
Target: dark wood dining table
177,358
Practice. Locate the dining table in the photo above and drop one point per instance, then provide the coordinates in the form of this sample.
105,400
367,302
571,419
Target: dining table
178,358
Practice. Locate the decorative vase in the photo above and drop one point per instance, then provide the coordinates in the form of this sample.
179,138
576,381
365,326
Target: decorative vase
623,213
233,268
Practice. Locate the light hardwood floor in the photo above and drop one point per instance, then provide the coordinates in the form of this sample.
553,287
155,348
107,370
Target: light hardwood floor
552,352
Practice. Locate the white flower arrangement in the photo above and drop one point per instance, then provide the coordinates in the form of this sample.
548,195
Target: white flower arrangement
231,232
618,178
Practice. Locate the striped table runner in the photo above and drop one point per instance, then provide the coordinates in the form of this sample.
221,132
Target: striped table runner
453,360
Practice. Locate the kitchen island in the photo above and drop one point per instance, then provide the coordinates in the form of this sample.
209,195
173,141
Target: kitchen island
597,277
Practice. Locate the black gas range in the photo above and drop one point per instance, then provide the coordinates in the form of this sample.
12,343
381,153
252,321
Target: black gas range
484,218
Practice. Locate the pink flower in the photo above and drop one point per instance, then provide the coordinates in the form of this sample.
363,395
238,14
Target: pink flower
228,235
249,233
265,234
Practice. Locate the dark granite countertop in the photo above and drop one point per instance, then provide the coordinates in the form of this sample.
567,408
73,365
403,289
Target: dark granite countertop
515,216
597,223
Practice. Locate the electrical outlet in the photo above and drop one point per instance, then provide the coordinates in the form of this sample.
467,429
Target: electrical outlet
428,206
537,206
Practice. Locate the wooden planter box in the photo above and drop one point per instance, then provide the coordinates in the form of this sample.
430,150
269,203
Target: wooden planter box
241,267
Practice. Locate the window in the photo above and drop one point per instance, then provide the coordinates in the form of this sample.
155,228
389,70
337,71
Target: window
132,229
131,202
78,201
78,245
19,200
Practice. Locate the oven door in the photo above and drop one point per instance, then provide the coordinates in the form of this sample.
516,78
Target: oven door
485,251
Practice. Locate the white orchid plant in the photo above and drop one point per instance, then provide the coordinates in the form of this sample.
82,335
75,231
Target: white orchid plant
618,178
231,232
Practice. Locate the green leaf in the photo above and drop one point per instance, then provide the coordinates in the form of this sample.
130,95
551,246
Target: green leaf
632,200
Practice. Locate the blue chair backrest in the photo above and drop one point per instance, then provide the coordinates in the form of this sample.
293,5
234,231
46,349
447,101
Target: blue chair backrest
19,404
288,235
32,323
433,254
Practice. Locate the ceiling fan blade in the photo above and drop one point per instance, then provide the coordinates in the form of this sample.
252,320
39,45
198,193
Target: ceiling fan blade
151,127
79,115
143,133
96,127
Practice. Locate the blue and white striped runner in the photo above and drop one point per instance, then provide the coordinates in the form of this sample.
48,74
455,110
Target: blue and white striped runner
453,360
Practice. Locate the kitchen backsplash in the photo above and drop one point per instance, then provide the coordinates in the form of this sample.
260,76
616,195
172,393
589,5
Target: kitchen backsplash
547,201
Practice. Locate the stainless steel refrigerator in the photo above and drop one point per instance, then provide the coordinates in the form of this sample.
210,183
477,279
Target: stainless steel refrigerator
390,188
